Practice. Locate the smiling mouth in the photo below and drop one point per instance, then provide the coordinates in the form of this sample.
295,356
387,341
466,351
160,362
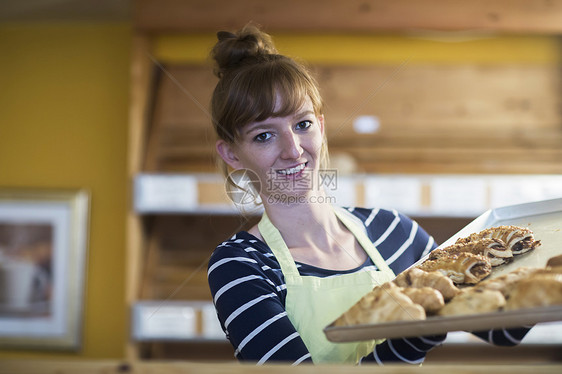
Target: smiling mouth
292,171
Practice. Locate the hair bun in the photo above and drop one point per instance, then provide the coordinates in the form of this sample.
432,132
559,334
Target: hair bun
235,49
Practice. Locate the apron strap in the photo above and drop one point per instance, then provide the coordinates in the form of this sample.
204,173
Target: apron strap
275,241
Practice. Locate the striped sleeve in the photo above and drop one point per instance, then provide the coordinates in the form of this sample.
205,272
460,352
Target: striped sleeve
250,307
405,350
504,337
399,239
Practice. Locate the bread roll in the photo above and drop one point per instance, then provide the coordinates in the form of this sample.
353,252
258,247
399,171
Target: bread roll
418,278
474,301
384,303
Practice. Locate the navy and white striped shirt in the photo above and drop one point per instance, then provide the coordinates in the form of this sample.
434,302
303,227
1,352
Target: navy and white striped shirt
249,293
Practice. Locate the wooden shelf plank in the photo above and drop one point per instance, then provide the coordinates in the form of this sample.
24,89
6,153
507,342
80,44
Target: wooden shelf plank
515,16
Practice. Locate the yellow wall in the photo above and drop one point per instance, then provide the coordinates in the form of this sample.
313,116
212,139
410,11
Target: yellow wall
63,124
352,49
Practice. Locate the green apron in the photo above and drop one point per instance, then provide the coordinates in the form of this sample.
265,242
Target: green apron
313,303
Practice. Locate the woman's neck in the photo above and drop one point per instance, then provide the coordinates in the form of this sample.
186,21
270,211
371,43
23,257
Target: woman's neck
314,235
304,224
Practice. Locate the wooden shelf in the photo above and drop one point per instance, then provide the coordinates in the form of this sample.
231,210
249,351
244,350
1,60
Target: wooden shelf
419,195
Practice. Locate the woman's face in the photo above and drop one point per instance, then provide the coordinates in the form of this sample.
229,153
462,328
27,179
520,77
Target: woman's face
284,152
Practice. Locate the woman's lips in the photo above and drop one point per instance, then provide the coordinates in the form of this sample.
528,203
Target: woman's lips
292,172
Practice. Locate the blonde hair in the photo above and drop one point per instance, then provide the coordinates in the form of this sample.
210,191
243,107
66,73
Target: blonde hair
252,75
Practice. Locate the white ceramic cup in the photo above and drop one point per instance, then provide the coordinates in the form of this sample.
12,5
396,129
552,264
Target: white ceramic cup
16,284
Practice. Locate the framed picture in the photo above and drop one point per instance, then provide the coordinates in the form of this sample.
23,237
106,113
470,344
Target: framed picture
43,246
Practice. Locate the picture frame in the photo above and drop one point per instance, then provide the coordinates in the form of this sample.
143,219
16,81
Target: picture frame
43,252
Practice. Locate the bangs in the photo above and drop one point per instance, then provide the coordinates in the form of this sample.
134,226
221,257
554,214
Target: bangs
276,89
284,97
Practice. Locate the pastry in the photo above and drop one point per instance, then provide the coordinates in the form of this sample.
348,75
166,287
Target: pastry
384,303
474,301
517,239
418,278
462,268
494,249
535,291
554,262
429,298
506,282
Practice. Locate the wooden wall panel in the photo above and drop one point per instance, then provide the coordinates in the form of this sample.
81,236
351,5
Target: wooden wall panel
181,119
449,97
351,15
434,119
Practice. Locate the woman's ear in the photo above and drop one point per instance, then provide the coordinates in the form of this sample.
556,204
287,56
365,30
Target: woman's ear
227,153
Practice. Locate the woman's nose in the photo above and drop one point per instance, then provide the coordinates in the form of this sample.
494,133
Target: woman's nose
291,146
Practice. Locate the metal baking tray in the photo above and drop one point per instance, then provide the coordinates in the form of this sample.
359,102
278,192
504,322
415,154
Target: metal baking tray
543,217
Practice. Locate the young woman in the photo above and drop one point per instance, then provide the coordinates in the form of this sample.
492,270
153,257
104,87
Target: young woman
277,285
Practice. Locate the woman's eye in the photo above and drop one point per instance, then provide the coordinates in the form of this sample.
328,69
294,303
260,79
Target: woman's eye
264,136
302,125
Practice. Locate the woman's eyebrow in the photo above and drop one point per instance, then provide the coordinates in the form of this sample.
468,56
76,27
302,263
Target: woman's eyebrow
257,126
266,125
304,113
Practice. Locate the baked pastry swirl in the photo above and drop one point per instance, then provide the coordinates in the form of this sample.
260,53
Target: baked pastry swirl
461,268
517,239
494,249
